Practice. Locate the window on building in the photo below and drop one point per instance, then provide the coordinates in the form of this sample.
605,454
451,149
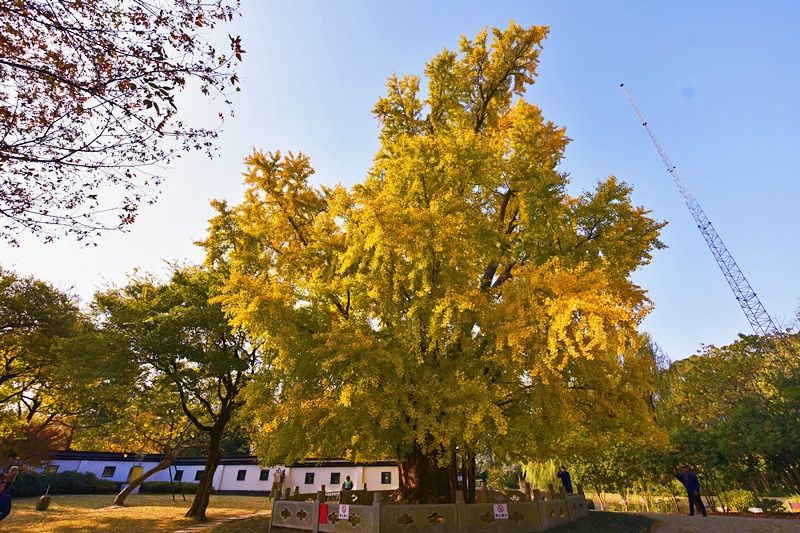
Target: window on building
198,475
264,475
109,471
178,475
51,469
240,475
386,478
336,478
309,478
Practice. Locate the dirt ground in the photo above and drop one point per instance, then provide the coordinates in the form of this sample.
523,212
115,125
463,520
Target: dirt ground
714,523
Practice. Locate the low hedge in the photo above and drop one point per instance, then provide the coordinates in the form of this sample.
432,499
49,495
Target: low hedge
165,487
68,482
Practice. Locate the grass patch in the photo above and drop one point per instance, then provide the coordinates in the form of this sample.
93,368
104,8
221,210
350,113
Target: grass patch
142,513
607,521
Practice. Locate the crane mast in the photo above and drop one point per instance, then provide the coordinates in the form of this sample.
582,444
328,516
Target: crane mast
755,312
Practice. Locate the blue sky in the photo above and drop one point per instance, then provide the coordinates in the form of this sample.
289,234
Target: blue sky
717,81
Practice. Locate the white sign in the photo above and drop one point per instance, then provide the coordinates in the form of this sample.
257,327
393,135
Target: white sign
500,511
344,512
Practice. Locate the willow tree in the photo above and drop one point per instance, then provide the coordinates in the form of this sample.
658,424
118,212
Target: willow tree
456,301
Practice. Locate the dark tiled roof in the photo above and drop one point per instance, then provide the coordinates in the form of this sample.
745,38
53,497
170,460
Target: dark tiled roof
73,455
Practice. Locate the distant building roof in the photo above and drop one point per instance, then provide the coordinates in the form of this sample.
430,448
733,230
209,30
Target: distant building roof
74,455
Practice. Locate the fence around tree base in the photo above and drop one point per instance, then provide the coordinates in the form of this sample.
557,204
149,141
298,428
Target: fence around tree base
371,512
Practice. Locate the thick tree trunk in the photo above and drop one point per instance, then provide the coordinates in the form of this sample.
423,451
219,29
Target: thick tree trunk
422,480
163,465
453,476
469,478
213,457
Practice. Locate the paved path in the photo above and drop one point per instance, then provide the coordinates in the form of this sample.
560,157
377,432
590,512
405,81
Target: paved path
679,523
209,525
667,523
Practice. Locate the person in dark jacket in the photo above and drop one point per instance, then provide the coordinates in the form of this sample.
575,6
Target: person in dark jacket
689,481
566,480
5,501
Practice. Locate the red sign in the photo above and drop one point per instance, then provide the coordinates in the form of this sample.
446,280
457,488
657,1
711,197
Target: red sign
323,513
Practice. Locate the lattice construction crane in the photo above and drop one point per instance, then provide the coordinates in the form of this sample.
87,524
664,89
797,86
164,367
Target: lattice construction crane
756,313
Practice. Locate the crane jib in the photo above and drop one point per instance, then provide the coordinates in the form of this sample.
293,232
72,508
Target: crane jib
753,309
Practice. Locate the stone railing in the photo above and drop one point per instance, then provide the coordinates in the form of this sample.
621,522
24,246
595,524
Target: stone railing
370,512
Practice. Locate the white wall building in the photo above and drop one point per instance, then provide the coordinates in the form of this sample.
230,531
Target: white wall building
235,474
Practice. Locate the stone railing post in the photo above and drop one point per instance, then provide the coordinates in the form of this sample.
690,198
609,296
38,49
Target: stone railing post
528,491
565,497
377,508
461,513
541,507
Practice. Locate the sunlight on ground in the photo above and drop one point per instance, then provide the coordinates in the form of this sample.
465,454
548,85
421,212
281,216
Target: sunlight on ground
143,514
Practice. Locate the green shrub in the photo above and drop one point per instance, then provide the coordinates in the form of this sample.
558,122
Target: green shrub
738,499
771,506
27,484
165,487
68,482
663,506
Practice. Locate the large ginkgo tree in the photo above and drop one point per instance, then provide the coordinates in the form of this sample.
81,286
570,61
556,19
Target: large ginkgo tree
458,300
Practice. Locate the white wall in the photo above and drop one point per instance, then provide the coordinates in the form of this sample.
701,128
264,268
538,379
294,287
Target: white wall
226,475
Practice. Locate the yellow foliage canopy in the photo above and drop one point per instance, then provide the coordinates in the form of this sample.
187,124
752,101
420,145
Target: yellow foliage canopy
458,297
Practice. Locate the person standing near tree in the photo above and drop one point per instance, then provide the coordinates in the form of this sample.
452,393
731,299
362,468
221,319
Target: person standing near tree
277,482
692,485
566,479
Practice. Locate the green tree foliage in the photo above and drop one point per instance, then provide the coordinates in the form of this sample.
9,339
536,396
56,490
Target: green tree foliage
738,408
458,300
89,107
640,468
183,343
35,318
141,416
107,395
